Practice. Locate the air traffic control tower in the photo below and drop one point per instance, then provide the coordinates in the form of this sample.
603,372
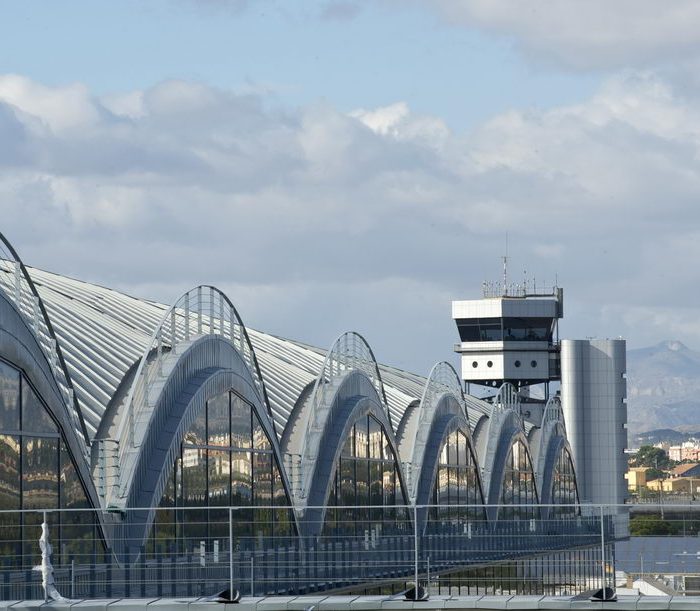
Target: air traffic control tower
511,335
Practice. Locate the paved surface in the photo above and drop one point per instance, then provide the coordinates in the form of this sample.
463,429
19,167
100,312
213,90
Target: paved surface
361,603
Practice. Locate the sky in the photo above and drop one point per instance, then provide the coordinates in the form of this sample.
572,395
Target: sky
355,165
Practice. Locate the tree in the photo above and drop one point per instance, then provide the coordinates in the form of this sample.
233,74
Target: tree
646,526
650,456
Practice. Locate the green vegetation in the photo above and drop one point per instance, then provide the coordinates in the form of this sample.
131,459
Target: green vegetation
646,526
649,456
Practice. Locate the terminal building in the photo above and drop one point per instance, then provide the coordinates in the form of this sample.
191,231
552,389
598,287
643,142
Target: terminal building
178,430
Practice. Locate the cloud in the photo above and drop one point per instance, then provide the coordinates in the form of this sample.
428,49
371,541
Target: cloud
594,34
316,221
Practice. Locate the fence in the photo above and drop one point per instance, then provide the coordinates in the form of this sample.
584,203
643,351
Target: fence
261,550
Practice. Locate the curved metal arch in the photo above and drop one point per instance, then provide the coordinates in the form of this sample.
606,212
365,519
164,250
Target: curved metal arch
506,398
202,310
449,423
31,307
442,380
553,412
349,352
321,479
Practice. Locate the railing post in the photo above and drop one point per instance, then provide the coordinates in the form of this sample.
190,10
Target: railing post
415,547
18,286
230,551
199,310
187,317
602,550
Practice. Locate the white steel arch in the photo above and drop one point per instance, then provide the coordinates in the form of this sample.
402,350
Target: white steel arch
442,380
19,288
200,311
349,352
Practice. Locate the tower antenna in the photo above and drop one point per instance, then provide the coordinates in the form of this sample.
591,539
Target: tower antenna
505,270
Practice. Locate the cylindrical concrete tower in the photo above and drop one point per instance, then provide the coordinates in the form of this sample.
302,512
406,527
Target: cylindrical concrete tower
593,396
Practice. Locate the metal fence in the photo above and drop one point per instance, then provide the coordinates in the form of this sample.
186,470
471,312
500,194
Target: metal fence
255,550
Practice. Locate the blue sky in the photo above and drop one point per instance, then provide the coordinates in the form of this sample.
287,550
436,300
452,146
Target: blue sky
355,165
372,57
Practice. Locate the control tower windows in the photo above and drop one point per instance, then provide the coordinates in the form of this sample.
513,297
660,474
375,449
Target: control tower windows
509,329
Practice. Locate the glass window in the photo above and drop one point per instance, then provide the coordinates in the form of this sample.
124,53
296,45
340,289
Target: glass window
242,491
9,472
39,473
260,440
283,520
375,438
197,435
241,431
35,418
9,398
9,497
194,477
218,425
262,492
361,437
219,478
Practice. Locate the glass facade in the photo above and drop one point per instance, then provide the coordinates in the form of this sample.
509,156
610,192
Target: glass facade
367,479
225,460
564,491
37,472
456,492
518,491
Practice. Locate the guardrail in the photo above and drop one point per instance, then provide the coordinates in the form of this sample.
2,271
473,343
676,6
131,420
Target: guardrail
254,549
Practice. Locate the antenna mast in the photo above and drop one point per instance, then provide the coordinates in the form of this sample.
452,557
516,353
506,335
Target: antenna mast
505,270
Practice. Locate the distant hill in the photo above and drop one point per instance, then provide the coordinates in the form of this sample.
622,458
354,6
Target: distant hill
669,436
663,389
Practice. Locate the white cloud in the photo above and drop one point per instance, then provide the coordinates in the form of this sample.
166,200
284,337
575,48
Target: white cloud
317,221
590,33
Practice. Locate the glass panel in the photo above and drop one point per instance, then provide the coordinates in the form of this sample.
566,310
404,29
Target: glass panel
77,528
218,425
194,486
39,473
375,438
262,492
361,437
348,447
197,435
219,478
260,440
194,477
241,432
452,449
279,498
241,491
35,418
9,398
9,497
362,484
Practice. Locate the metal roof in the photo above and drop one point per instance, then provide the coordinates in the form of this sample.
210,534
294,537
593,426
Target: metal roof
103,333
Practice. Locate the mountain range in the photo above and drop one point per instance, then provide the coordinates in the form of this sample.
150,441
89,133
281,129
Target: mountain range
663,389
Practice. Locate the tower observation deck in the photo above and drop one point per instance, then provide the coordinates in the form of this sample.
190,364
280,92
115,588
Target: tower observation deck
510,335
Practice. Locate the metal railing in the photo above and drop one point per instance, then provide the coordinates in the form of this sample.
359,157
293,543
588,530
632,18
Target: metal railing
255,550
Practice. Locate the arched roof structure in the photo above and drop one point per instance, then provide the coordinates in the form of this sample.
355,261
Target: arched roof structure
117,360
